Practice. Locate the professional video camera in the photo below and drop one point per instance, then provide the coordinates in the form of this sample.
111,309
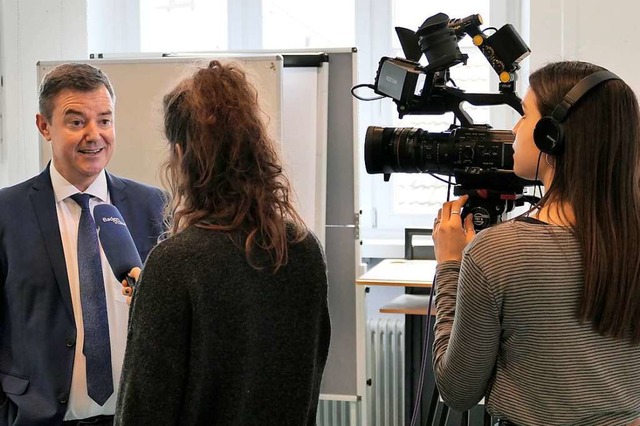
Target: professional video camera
480,158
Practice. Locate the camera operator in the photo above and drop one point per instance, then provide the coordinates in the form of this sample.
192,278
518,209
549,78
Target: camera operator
540,315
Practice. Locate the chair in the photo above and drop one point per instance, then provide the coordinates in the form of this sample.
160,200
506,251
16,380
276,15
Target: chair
417,251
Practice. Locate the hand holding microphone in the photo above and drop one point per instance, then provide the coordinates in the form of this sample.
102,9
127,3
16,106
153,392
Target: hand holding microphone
118,246
127,289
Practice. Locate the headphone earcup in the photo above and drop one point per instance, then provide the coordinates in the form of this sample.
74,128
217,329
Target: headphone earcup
548,135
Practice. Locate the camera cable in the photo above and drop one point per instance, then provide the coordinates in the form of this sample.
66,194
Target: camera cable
370,86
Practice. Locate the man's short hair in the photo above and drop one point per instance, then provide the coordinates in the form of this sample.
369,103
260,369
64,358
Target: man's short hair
73,76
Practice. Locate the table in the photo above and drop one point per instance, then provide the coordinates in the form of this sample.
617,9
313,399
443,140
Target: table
409,304
411,274
400,272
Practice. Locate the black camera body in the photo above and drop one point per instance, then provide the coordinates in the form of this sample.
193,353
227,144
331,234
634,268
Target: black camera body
479,157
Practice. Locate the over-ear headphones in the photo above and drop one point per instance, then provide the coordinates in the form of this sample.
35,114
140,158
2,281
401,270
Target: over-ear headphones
548,134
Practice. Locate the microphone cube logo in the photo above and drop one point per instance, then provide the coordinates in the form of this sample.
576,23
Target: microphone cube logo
114,220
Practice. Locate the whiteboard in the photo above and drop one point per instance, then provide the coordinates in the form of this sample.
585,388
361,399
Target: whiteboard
304,141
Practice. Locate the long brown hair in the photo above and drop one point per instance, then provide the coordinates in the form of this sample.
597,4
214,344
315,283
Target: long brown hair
226,175
598,175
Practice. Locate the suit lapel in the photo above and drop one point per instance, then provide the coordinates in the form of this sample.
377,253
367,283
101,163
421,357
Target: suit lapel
118,193
44,205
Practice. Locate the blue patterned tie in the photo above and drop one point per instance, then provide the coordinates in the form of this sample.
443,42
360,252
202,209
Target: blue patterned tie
97,345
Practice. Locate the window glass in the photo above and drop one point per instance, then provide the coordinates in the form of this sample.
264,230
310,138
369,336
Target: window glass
300,24
183,25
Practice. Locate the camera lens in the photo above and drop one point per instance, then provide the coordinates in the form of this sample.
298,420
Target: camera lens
387,149
406,150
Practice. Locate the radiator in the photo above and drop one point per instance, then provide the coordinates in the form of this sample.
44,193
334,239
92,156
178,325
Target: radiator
333,413
385,368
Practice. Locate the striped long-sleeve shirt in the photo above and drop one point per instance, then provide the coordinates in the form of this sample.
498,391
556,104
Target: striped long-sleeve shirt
507,330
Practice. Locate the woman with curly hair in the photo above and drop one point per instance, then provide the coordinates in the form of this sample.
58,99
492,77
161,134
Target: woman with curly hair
229,322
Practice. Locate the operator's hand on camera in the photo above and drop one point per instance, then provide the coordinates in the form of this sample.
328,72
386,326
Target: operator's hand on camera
450,234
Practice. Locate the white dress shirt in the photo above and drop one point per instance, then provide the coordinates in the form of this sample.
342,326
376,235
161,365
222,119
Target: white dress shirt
80,405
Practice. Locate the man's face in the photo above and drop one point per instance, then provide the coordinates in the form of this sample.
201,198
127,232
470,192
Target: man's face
82,134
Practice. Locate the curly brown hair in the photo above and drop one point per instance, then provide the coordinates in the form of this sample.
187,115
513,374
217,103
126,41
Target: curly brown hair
223,170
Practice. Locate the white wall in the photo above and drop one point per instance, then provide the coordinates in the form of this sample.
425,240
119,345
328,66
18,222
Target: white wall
31,30
602,32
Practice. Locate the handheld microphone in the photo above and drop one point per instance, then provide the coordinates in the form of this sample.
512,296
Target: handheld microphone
116,241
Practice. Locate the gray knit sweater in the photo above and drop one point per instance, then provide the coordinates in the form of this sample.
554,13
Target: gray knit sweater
515,338
213,341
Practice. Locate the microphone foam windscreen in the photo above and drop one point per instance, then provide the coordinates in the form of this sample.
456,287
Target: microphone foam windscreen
116,240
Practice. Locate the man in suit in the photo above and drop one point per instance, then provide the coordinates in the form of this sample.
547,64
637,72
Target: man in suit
43,368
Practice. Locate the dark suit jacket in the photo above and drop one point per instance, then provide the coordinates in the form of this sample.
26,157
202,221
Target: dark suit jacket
37,328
